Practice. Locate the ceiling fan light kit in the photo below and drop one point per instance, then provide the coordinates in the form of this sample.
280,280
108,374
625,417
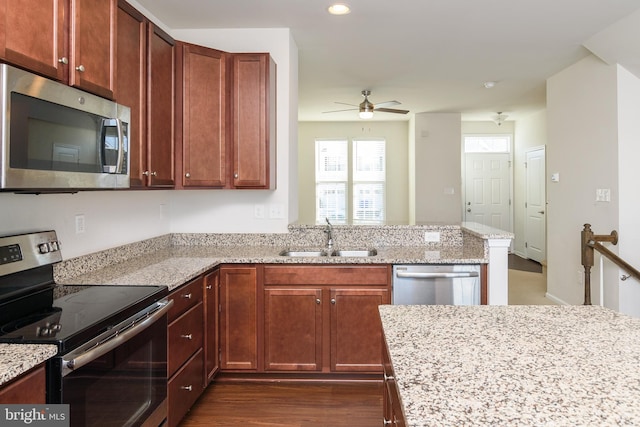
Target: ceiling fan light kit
366,107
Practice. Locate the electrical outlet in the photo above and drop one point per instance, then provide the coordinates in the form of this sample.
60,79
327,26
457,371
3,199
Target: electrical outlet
276,211
80,225
258,211
432,236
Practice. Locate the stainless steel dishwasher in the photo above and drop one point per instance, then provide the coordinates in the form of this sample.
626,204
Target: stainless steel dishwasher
436,284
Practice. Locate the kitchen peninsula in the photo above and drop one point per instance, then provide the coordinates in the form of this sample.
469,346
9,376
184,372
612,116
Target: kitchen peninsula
514,365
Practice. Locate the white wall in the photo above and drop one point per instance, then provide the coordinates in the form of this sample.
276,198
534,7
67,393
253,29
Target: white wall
437,167
396,136
111,218
628,180
583,149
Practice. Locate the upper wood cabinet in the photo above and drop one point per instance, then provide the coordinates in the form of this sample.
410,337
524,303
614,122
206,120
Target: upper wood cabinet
160,108
131,81
202,103
92,46
33,36
253,121
72,41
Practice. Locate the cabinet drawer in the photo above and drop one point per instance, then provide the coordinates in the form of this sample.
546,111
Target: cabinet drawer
185,297
185,337
28,388
185,388
323,275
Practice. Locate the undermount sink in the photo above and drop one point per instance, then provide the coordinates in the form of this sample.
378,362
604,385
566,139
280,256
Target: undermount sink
303,252
337,253
355,253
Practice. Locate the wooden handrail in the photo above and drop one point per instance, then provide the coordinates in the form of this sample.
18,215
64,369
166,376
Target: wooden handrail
592,241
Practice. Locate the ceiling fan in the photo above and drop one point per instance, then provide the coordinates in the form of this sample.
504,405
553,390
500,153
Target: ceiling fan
366,107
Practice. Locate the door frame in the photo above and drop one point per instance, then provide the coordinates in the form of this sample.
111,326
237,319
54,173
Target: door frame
543,148
511,180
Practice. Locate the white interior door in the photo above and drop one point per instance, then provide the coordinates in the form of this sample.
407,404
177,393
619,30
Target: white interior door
535,205
488,189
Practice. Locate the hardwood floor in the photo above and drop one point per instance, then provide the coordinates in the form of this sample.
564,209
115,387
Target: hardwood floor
287,405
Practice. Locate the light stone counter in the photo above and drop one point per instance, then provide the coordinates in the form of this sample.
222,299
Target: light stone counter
515,365
16,359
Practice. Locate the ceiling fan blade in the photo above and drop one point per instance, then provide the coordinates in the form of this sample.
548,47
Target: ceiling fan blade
338,111
390,110
386,104
344,103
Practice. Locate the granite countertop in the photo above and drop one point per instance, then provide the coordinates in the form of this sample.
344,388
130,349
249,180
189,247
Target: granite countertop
176,265
16,359
514,365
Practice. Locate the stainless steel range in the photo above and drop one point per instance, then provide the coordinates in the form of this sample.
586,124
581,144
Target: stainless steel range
111,366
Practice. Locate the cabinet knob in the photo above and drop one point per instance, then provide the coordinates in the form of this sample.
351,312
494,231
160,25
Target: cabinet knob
333,300
386,422
188,175
187,296
388,377
80,68
235,175
186,387
63,60
317,300
209,286
187,336
147,173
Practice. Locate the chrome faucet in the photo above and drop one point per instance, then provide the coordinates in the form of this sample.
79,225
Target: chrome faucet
329,232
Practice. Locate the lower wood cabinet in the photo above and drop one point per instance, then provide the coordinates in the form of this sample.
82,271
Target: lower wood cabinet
184,388
211,322
392,408
185,367
324,318
239,318
27,388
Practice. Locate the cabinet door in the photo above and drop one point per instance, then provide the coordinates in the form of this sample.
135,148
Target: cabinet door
160,108
238,318
293,329
253,125
29,388
204,115
93,34
211,336
32,35
356,331
130,84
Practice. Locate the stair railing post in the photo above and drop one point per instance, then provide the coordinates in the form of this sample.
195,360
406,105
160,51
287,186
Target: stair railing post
587,261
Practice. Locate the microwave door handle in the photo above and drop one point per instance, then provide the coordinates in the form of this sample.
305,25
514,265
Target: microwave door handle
416,275
120,161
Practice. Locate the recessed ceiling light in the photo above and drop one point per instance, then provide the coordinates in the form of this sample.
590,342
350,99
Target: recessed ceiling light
339,9
489,85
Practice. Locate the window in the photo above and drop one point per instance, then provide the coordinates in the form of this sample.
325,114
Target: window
353,194
487,143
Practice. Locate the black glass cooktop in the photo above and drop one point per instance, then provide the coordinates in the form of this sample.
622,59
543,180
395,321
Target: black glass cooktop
83,313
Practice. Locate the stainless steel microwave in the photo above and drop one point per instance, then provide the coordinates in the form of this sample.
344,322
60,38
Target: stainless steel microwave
58,138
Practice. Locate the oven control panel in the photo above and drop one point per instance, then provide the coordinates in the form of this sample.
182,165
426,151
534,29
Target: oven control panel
10,253
25,251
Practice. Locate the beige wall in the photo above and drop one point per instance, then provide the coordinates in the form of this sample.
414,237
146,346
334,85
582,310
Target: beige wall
396,135
583,149
438,168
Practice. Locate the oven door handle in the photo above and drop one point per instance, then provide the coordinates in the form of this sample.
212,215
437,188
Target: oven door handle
416,275
83,358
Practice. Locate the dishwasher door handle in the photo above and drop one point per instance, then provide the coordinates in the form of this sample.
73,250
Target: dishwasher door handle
435,275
